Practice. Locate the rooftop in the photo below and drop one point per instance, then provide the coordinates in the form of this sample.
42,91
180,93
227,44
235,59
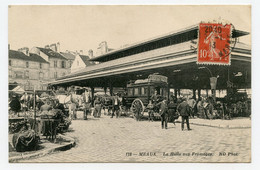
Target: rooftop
21,56
51,53
175,37
85,59
68,55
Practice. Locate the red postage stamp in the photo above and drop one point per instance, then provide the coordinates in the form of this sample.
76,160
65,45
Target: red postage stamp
214,44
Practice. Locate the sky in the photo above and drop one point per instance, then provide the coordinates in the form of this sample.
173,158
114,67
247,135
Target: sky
84,27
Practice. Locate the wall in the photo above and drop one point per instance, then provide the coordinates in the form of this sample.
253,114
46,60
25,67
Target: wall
59,71
77,64
28,77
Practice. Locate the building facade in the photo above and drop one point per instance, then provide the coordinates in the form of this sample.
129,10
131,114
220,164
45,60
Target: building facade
58,65
30,71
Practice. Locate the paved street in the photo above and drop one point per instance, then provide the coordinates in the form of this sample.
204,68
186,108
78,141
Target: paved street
125,140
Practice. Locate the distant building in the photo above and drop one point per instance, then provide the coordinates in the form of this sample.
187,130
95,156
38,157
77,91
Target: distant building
70,56
103,48
80,62
59,65
28,70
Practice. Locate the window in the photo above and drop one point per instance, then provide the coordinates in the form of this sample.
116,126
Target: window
40,75
136,92
55,75
130,92
63,64
18,74
10,62
27,64
55,63
40,65
144,91
26,74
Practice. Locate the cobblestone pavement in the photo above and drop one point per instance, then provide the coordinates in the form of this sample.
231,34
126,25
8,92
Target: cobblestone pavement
125,140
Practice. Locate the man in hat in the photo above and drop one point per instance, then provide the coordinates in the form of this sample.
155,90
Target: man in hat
184,111
163,112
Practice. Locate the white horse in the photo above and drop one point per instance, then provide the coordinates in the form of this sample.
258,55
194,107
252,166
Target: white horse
70,102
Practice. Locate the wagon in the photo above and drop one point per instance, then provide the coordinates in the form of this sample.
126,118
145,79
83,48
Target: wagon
140,92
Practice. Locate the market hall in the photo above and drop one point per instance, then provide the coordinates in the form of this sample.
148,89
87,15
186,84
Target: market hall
173,55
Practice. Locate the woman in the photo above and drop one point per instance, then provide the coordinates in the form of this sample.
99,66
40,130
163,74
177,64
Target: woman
97,105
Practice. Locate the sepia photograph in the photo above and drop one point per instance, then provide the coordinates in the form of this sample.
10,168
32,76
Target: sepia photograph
129,84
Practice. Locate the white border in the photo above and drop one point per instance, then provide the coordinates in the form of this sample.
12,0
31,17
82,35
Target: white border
255,87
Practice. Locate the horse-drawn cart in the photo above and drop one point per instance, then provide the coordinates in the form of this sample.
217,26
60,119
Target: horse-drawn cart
141,91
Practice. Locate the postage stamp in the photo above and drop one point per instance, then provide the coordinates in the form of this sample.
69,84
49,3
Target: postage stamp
214,45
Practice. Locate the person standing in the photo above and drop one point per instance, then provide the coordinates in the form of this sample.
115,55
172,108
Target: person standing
184,110
116,106
86,104
192,103
150,107
73,105
163,112
15,104
172,111
97,104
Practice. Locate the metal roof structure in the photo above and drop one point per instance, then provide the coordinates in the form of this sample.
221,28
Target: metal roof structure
176,60
187,34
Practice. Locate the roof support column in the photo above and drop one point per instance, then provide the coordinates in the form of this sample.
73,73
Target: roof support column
110,88
92,95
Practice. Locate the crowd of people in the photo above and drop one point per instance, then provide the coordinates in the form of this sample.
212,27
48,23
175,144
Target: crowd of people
168,109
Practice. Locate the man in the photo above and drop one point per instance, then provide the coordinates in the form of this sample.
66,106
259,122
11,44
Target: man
150,107
163,112
59,106
192,103
116,106
172,111
155,97
86,104
184,110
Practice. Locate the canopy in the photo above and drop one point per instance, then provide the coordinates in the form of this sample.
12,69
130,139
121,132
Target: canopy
18,90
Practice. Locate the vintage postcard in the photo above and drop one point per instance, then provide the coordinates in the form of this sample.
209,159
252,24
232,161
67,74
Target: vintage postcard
129,83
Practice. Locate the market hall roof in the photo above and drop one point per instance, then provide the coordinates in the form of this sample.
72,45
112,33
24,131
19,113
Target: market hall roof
179,36
174,57
51,53
21,56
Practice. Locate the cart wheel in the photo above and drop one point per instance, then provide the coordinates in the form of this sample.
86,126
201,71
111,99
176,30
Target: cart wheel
137,106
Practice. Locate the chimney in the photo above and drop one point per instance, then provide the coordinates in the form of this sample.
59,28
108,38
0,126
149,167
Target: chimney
104,47
81,52
90,53
58,47
53,47
24,50
47,47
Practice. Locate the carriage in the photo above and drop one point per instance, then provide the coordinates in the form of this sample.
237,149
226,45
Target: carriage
140,92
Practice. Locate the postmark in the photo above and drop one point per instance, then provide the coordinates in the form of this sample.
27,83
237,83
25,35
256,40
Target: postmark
215,43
